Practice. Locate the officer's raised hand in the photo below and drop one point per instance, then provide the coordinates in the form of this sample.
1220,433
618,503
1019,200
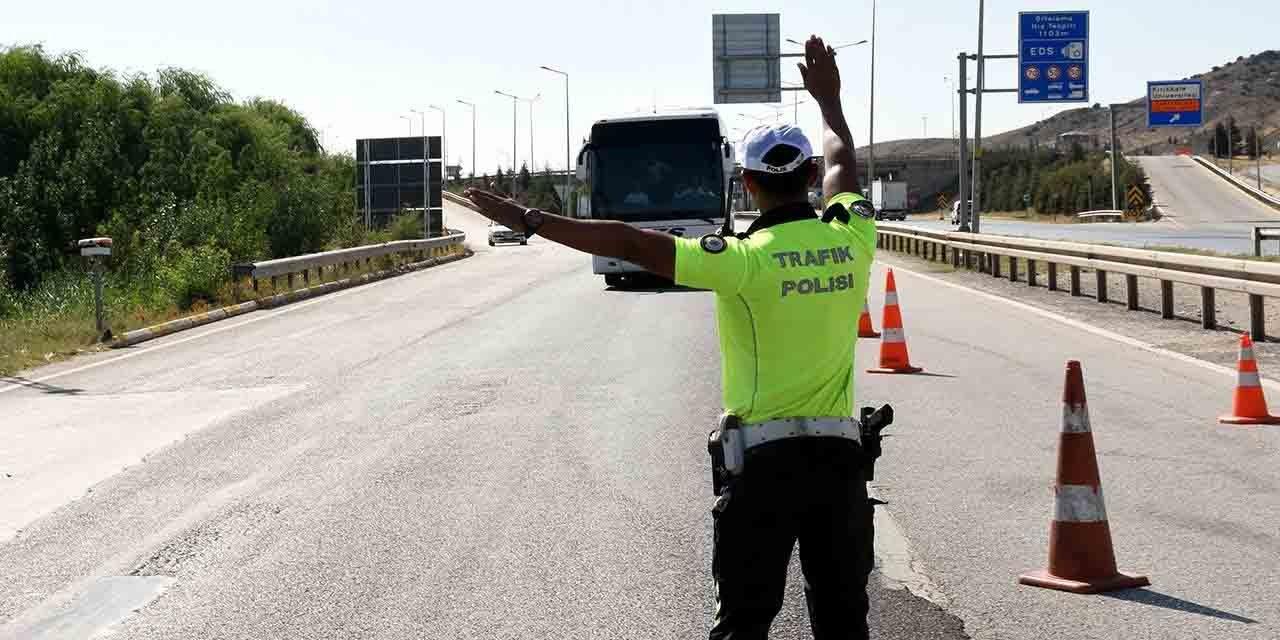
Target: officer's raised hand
819,70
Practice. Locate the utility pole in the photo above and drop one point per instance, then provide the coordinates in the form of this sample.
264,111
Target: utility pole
568,154
871,129
1115,162
964,150
473,137
410,121
1231,149
1257,155
977,123
926,125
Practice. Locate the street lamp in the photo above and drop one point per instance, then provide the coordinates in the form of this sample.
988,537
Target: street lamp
426,181
871,129
410,121
568,164
837,47
871,134
473,135
531,101
444,141
514,102
795,103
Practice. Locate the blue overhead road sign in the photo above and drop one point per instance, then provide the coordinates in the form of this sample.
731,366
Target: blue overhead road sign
1175,103
1053,56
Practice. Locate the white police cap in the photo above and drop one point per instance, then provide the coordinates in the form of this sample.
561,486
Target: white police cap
761,140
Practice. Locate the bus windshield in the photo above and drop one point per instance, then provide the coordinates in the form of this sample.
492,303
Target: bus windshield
643,175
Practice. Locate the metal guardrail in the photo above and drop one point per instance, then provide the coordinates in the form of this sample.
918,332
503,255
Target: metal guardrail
1105,213
1257,279
344,258
1263,233
1264,198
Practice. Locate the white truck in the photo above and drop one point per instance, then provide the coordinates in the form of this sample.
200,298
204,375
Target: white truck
890,200
668,171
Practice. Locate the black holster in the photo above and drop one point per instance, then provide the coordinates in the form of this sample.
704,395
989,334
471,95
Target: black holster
725,447
873,421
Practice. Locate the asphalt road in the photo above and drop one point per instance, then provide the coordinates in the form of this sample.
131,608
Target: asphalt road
1200,211
501,448
496,448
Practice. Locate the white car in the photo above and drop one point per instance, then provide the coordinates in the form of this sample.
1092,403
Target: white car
500,233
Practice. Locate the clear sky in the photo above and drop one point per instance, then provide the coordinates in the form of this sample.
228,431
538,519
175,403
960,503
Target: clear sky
355,67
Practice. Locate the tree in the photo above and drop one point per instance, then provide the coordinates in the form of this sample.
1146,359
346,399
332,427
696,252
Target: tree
1251,142
1218,143
1236,141
183,178
523,180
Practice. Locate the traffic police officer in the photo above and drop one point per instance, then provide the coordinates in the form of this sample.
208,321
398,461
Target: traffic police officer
787,295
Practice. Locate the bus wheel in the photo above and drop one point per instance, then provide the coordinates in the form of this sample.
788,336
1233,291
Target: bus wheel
613,280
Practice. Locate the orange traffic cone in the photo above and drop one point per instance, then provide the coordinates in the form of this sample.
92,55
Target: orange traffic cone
1249,406
893,346
865,330
1081,558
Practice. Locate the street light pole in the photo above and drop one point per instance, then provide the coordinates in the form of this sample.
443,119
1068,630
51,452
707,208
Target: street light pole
473,136
531,101
410,121
975,224
444,142
948,80
568,154
514,103
426,180
871,129
444,154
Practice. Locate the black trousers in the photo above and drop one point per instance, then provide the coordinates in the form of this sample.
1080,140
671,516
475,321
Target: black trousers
811,490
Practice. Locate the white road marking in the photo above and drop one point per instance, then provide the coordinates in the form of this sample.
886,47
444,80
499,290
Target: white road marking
105,603
1083,326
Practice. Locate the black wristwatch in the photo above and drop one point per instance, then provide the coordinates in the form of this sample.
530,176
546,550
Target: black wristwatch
532,220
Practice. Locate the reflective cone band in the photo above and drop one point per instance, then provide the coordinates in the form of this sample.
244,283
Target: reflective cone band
1081,558
865,330
1249,405
893,344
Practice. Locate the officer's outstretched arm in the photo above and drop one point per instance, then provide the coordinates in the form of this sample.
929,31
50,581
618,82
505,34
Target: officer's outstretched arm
654,251
822,79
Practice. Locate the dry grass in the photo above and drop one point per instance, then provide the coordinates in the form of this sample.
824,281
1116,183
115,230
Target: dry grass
38,338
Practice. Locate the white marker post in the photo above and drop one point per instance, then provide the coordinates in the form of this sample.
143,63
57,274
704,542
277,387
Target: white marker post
96,249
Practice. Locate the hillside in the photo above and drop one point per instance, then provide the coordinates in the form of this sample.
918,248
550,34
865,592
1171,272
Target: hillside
1247,88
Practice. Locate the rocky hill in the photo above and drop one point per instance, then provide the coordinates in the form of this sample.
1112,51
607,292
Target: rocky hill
1247,89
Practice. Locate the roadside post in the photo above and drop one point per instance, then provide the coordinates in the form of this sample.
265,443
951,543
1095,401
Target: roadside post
97,250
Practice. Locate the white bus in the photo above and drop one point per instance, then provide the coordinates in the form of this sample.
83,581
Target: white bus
668,171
